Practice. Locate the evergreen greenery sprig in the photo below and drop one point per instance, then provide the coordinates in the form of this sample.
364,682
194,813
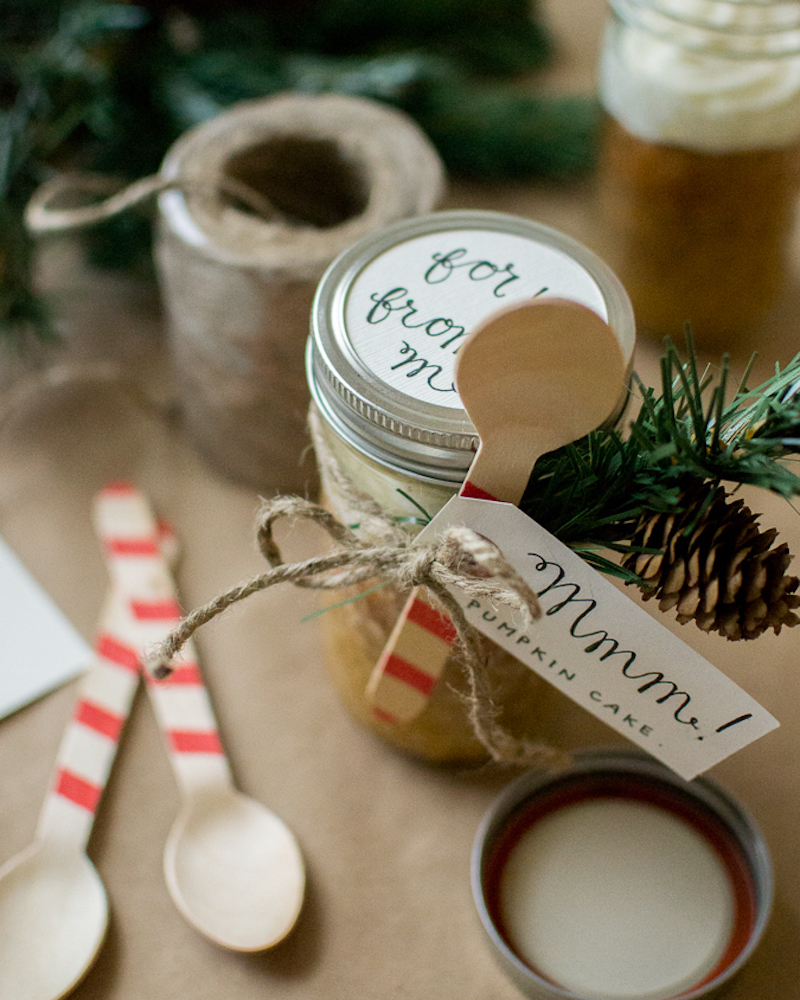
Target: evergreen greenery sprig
58,101
593,493
108,85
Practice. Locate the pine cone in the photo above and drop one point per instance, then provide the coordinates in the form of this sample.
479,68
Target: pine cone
716,567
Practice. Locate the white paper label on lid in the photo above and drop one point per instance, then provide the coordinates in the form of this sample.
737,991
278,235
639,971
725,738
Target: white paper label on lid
408,311
604,651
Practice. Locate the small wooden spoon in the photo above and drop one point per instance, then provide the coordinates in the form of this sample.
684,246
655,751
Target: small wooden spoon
532,378
53,909
233,868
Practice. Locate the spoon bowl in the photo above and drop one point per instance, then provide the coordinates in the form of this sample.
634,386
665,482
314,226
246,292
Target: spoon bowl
533,378
234,870
53,918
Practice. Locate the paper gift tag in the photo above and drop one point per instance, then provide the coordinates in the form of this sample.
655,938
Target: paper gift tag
603,650
39,648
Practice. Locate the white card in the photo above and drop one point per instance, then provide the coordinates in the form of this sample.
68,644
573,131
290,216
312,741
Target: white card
604,651
39,648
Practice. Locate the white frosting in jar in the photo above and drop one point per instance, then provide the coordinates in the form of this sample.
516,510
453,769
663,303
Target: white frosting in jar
664,88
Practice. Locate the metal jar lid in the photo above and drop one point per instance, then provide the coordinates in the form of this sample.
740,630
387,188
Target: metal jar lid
621,776
390,312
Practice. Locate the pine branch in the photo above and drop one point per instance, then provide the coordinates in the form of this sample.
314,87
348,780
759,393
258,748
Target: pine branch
78,77
593,493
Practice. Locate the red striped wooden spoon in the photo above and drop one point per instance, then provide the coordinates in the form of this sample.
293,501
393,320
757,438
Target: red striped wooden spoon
532,378
233,868
51,896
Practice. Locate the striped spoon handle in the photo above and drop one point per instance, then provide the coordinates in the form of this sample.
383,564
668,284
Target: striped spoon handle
129,535
415,653
91,737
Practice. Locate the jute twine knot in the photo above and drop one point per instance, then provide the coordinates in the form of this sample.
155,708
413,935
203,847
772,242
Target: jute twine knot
459,557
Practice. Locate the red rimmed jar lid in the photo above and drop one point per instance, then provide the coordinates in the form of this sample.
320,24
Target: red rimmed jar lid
617,880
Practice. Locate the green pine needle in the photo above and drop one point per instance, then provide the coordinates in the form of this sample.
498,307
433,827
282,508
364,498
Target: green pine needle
78,78
592,493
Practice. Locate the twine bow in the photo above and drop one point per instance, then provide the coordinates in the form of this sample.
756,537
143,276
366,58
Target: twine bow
459,557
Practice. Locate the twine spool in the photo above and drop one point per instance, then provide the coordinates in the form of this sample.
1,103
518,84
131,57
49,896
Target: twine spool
238,285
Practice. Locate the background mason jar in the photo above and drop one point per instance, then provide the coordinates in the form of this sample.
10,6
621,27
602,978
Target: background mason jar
700,160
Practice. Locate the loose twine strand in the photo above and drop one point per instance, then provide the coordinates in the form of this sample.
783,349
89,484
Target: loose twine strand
42,215
459,557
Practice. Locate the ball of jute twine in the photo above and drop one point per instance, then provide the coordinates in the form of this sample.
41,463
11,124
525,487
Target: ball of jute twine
254,204
381,549
238,288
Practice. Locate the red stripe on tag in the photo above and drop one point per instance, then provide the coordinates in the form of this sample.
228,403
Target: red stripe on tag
383,715
406,672
99,719
112,649
132,547
78,790
187,674
120,488
434,621
156,611
475,492
188,741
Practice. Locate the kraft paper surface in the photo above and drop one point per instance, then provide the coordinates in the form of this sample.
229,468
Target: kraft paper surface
386,840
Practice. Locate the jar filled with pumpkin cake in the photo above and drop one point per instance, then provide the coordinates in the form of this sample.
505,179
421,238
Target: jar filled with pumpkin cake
394,443
699,166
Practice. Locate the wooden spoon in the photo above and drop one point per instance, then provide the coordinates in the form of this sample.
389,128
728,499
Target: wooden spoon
53,909
233,868
532,378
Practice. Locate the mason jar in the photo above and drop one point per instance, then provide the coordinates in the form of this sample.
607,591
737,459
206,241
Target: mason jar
391,435
700,160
